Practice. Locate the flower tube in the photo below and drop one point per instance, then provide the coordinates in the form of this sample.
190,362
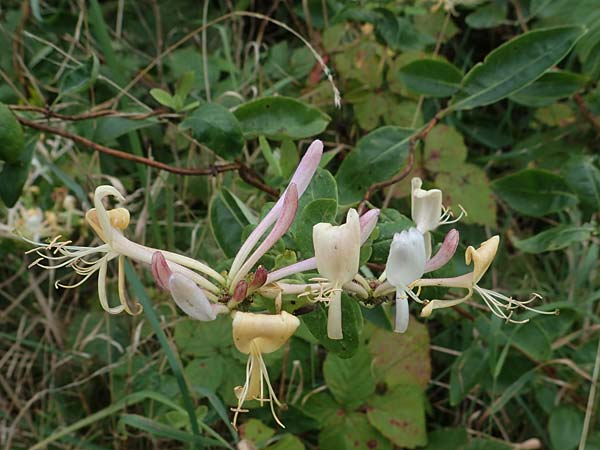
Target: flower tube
109,226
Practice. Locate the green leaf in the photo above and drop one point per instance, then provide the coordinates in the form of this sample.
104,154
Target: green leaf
256,432
317,211
445,149
488,16
81,78
565,427
534,192
280,118
549,88
399,414
401,358
163,97
265,149
107,129
217,128
555,238
351,432
227,221
289,158
12,142
431,77
584,178
184,86
349,379
14,175
316,322
211,339
447,438
287,442
467,371
390,222
515,64
469,187
377,156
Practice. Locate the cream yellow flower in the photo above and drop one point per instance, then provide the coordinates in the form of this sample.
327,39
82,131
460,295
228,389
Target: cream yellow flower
253,335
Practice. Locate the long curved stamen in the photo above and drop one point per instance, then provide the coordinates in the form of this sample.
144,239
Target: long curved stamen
446,217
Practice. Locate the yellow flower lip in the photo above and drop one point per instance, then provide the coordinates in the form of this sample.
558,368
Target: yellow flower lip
268,332
482,257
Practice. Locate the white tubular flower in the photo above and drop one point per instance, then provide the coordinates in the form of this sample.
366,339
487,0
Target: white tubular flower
427,211
86,261
405,264
337,251
253,335
188,296
499,304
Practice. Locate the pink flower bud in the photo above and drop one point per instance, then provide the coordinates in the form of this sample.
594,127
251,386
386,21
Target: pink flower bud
260,278
240,291
160,270
445,253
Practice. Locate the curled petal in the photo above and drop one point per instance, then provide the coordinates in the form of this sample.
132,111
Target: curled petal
191,299
445,253
103,217
482,257
437,304
160,270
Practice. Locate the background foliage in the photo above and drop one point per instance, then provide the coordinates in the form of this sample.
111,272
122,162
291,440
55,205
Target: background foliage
504,99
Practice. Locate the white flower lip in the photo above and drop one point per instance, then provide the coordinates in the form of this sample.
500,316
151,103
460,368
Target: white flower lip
406,260
337,249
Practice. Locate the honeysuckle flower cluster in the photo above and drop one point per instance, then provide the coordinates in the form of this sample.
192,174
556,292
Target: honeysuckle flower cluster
334,272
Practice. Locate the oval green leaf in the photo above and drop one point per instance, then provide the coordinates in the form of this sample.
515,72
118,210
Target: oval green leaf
555,238
216,127
14,175
534,192
550,87
376,157
280,118
11,136
515,64
431,77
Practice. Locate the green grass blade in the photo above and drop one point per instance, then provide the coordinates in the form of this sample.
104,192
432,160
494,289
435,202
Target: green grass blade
142,297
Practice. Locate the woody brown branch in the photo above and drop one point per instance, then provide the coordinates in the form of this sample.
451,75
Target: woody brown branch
245,172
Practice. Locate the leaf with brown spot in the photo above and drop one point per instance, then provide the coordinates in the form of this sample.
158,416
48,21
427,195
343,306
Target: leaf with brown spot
401,358
399,414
